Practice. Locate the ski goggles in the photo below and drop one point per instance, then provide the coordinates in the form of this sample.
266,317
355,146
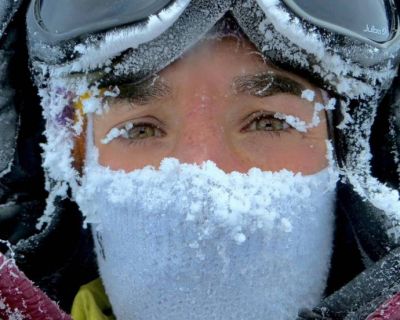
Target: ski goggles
156,32
372,21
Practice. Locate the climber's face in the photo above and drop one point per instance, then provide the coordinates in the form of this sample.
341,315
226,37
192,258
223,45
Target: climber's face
222,102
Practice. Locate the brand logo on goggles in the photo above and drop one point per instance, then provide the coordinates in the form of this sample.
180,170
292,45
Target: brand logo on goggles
372,29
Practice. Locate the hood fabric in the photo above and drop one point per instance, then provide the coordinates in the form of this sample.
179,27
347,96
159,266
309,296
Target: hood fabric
8,113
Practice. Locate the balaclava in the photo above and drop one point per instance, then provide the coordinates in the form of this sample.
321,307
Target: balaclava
187,240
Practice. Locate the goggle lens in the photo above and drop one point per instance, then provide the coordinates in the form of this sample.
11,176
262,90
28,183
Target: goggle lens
371,19
77,17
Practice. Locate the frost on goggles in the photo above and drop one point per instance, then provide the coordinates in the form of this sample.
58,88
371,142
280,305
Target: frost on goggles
374,20
66,19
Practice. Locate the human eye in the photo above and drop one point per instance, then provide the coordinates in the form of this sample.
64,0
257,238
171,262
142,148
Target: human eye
265,121
144,131
134,132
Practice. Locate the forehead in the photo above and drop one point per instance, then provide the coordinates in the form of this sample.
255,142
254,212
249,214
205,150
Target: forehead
216,61
219,56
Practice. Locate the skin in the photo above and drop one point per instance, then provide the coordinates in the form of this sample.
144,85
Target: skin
214,104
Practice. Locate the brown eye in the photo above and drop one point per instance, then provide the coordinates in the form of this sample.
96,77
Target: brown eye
143,131
266,123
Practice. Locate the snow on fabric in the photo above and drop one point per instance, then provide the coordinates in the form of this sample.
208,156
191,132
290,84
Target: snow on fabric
116,42
8,113
20,299
7,10
290,35
196,242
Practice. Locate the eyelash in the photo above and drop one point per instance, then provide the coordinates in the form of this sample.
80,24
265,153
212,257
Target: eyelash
261,115
141,126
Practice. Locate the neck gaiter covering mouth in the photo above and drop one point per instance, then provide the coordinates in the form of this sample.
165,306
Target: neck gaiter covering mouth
192,242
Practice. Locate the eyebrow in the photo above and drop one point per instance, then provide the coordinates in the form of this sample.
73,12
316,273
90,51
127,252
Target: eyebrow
266,84
261,85
144,91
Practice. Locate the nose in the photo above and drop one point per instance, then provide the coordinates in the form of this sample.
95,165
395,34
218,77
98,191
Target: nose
203,137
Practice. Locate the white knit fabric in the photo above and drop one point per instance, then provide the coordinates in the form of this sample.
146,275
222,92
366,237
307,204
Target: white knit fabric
192,242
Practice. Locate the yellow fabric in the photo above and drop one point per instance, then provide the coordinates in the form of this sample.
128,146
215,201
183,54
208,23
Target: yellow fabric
91,303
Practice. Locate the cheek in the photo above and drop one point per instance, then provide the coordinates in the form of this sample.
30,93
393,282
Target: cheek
293,151
117,156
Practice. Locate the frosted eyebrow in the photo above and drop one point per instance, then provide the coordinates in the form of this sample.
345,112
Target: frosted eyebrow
143,92
266,84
